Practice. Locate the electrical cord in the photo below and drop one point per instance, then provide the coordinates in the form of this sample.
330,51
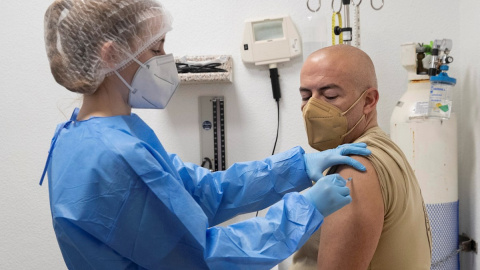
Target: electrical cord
278,126
186,68
276,139
209,161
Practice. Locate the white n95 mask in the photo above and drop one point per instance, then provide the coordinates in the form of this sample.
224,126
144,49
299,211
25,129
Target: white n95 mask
154,83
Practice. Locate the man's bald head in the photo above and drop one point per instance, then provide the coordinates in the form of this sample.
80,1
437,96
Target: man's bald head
355,64
342,76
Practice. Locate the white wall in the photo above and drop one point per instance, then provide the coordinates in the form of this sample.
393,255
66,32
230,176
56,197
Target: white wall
469,127
32,103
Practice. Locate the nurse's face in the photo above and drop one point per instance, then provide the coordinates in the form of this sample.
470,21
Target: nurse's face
155,50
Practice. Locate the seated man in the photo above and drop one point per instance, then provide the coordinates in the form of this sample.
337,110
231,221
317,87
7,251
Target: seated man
386,225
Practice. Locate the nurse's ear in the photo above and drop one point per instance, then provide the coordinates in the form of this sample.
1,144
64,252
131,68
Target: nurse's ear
109,54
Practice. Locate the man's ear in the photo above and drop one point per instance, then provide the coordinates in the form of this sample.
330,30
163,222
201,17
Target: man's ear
371,100
109,54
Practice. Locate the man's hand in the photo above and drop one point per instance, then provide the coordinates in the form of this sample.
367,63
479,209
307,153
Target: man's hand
317,163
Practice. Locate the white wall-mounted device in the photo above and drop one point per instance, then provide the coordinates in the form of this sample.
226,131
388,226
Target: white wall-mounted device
270,40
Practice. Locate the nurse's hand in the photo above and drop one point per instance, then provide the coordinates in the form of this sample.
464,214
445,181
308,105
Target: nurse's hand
329,194
317,163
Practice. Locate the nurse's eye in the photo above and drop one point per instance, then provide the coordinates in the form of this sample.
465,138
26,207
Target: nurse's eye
157,51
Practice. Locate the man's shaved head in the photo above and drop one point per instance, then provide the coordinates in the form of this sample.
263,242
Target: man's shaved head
353,62
342,76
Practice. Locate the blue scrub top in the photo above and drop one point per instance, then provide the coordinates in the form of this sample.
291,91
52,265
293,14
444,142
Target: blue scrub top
120,201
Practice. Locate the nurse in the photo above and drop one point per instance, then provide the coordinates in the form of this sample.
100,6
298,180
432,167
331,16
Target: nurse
119,200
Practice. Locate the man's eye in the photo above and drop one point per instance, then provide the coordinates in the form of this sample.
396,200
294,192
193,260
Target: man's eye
305,98
331,98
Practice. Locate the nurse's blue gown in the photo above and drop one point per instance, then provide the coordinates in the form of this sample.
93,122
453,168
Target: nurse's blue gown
120,201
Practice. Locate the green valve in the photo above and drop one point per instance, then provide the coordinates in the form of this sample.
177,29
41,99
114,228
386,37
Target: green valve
444,108
428,48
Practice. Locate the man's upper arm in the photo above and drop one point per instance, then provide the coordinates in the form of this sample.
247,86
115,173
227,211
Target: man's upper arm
350,236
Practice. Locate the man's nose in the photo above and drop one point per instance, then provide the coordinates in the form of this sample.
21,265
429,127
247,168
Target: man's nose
316,94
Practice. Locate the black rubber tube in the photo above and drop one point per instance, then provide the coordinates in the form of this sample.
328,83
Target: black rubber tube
275,83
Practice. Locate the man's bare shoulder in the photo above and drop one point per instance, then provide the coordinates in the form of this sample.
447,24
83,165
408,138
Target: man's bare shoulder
356,228
368,178
364,187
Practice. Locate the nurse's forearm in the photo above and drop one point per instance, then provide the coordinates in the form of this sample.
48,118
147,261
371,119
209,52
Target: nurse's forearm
253,186
262,243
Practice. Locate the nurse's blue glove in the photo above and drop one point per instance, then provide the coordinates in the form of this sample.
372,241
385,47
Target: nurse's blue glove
317,163
329,194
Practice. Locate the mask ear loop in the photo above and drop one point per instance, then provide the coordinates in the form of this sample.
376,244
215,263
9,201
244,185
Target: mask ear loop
353,128
142,65
133,90
355,103
361,118
135,59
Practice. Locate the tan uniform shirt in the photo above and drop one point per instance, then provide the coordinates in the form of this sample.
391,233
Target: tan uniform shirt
405,242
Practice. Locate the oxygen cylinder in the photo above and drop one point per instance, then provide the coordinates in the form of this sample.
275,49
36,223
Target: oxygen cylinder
430,145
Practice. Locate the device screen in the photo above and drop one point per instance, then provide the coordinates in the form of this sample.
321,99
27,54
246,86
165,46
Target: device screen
267,30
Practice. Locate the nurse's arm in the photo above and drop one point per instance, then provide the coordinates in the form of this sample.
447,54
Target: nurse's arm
245,186
349,237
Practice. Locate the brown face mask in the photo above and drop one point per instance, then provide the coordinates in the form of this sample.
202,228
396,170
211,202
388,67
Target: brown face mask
326,125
